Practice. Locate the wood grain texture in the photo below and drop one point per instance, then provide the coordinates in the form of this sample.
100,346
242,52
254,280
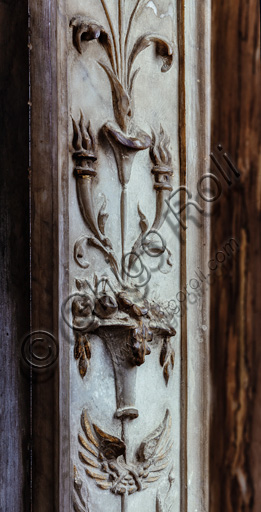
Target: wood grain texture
235,458
44,247
14,259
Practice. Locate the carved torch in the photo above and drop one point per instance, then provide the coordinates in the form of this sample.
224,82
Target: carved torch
84,155
162,172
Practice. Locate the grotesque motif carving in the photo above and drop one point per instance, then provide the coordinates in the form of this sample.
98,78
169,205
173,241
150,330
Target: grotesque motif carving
128,323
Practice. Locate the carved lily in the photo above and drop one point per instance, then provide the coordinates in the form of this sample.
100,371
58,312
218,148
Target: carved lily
125,148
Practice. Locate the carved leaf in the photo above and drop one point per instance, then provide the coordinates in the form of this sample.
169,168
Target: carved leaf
82,352
144,224
77,507
109,256
166,494
167,263
163,48
80,284
133,77
85,29
159,506
79,252
167,359
102,217
169,260
76,142
78,494
120,98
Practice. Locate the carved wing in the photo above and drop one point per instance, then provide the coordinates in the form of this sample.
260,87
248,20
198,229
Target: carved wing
154,451
100,453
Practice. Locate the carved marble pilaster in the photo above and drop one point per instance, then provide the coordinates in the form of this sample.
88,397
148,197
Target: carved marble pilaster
125,135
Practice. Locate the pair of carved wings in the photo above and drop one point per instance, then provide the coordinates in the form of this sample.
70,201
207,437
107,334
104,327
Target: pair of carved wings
104,457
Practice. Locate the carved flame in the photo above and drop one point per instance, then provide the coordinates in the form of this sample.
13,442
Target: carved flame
83,140
159,152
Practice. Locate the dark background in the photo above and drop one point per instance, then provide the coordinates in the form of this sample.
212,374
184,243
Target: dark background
235,454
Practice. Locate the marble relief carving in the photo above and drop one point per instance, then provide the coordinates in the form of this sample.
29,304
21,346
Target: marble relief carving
126,321
105,459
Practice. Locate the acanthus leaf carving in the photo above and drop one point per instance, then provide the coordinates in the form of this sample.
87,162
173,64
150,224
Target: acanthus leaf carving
163,48
120,97
85,29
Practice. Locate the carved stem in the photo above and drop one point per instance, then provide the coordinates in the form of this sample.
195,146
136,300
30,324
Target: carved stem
120,14
123,226
124,506
128,33
112,34
157,223
124,498
124,437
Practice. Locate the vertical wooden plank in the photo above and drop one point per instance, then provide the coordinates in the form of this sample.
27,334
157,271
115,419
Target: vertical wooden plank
235,309
14,259
44,249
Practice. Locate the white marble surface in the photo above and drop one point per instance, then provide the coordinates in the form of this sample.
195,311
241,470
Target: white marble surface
156,102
